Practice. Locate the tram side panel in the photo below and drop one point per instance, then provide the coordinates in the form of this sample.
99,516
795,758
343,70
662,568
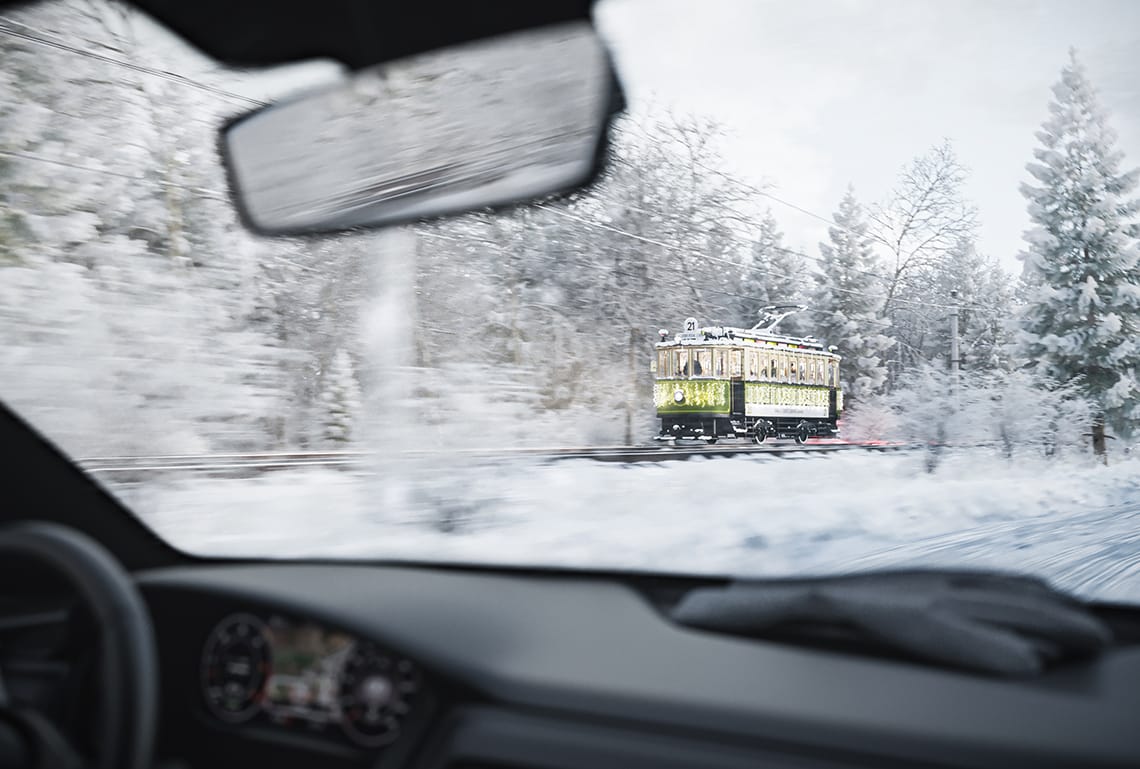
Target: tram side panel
693,407
785,406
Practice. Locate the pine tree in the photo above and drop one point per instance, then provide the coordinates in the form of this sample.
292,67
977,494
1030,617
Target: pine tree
847,300
1082,318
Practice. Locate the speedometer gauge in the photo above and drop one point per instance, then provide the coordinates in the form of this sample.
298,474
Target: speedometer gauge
235,667
375,692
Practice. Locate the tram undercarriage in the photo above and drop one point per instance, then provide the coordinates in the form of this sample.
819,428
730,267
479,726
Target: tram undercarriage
710,428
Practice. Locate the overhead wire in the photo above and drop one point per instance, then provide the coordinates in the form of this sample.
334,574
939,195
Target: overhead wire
40,38
671,269
204,192
729,262
781,249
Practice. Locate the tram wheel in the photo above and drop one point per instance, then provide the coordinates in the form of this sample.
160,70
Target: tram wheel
803,432
759,433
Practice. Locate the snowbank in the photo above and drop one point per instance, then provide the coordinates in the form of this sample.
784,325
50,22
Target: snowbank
1072,521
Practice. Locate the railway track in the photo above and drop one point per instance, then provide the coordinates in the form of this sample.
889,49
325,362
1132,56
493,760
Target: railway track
254,463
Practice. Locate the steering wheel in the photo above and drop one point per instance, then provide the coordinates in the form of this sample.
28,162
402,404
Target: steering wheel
128,700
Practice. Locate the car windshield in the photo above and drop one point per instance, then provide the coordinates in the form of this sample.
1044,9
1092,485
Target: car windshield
859,287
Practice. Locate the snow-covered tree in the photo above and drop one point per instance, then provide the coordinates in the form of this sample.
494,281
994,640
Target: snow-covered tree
921,229
340,399
847,299
1015,412
130,282
1082,318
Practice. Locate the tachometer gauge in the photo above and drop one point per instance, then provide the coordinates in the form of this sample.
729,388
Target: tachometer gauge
375,692
235,666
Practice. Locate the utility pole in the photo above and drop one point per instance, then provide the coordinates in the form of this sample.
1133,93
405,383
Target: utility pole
955,355
632,396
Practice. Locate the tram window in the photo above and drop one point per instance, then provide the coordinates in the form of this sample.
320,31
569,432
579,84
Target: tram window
702,362
753,364
718,362
736,362
683,362
792,369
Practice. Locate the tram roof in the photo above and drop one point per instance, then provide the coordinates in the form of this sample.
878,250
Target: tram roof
743,337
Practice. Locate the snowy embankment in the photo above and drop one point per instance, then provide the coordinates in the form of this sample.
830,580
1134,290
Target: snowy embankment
1068,520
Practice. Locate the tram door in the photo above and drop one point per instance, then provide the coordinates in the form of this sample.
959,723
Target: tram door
738,397
736,372
832,402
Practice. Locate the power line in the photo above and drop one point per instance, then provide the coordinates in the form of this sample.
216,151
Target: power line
215,195
665,267
207,193
691,252
37,37
781,249
762,193
886,280
211,124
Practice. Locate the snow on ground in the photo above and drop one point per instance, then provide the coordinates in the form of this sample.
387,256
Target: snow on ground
1072,521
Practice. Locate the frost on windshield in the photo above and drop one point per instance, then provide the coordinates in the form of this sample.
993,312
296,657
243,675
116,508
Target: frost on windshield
414,393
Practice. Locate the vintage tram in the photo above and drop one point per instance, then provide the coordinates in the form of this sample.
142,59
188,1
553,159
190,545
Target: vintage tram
719,382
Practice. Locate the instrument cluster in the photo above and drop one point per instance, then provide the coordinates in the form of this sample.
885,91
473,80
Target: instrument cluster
304,677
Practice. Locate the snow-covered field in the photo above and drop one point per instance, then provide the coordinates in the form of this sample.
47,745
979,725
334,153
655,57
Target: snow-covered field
1069,520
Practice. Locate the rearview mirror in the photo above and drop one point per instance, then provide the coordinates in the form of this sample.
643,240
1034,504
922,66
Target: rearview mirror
485,124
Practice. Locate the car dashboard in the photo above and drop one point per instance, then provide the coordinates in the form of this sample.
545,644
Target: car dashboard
255,681
330,665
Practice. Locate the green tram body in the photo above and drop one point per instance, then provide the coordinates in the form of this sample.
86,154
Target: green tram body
714,383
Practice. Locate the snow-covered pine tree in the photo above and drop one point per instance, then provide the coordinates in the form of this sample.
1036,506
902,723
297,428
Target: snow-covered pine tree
1082,318
340,399
773,274
847,300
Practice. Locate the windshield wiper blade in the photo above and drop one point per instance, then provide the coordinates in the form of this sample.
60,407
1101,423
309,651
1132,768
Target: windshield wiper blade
988,622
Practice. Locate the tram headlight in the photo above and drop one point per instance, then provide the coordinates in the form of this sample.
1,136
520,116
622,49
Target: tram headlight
679,395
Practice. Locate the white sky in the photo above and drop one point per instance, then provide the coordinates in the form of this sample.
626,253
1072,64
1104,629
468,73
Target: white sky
821,93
